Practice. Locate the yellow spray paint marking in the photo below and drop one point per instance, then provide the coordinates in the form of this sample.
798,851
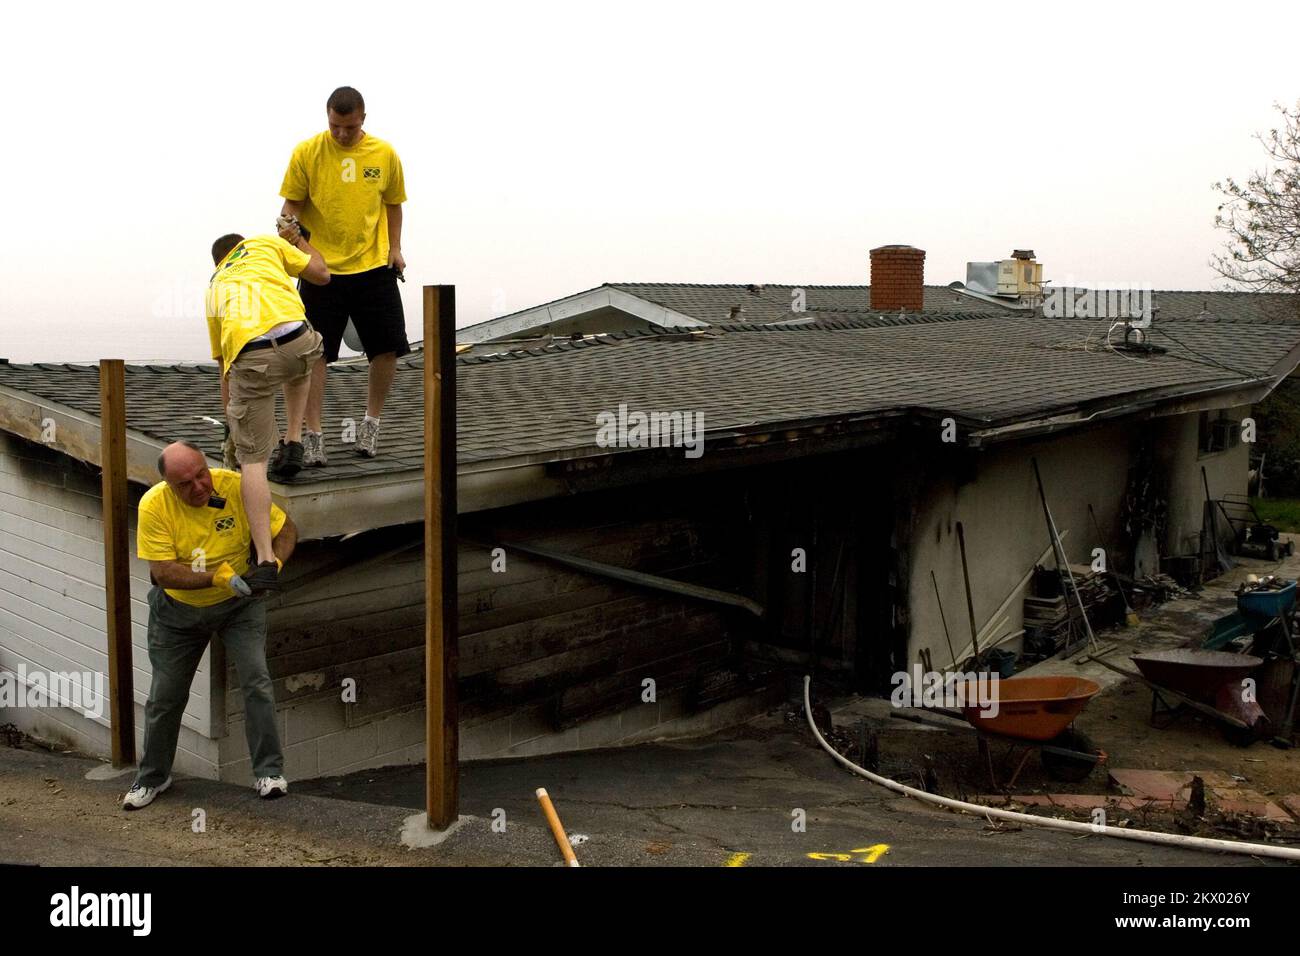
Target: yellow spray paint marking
866,854
874,853
737,859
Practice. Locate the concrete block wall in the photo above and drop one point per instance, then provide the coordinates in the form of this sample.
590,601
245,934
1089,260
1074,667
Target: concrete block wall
318,742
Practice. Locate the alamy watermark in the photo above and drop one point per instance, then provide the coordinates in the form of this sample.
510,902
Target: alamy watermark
83,690
182,300
74,908
1120,301
953,689
656,429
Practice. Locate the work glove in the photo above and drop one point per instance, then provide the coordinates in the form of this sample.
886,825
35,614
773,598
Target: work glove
225,577
253,562
289,228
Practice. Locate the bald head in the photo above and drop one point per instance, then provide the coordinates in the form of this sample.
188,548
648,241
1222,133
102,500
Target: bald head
185,468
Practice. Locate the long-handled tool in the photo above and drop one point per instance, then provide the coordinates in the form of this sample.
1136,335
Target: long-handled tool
970,604
557,830
946,635
1061,562
1130,615
1222,561
999,616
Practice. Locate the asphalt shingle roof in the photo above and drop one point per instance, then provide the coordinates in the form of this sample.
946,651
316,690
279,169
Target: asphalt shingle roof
990,369
772,303
762,304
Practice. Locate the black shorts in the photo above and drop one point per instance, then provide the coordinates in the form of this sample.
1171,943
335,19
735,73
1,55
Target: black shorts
370,299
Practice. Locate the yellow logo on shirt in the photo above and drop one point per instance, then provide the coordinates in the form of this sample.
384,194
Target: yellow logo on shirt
372,173
224,523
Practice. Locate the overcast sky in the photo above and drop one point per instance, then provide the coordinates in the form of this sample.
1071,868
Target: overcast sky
550,147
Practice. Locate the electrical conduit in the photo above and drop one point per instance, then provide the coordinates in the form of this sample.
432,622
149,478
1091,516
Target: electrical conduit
1050,823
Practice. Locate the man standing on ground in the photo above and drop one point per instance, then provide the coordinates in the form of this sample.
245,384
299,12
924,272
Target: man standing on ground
346,187
194,532
261,337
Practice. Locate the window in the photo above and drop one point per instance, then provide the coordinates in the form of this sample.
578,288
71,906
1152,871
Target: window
1218,433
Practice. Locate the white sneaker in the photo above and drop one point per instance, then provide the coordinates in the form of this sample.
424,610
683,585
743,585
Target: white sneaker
268,788
368,437
313,450
139,796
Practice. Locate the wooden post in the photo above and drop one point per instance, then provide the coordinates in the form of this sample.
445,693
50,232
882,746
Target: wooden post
117,560
440,552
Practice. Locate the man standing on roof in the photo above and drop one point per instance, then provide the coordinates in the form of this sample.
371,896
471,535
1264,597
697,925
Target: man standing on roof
346,187
261,337
193,530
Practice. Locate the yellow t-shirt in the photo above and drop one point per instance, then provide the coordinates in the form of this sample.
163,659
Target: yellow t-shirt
252,292
168,529
346,191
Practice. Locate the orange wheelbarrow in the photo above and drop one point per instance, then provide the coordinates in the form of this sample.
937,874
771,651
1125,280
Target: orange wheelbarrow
1037,713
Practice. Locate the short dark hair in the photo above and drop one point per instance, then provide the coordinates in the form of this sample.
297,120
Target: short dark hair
162,465
221,248
345,100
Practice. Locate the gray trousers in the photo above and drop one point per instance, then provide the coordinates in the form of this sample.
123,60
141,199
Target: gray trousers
178,635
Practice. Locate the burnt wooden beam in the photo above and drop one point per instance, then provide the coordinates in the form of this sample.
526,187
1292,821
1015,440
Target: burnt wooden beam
323,579
640,578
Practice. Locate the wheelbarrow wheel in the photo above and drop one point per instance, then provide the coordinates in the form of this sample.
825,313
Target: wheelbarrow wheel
1063,766
1241,736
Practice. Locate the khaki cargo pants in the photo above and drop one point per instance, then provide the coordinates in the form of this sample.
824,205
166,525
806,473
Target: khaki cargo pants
254,379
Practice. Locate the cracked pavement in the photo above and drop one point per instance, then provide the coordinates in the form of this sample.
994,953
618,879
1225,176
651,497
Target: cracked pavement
727,800
704,802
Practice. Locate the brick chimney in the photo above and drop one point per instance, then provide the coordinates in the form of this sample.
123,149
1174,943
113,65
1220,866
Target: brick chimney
897,278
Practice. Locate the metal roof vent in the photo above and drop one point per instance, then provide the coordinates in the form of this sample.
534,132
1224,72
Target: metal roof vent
1018,277
982,277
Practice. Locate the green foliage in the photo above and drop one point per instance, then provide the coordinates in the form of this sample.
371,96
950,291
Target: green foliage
1262,215
1281,513
1278,425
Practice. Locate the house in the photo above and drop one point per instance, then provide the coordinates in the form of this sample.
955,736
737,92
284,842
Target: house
665,306
840,447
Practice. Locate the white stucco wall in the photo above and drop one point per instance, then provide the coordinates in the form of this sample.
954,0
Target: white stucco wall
1006,531
1226,471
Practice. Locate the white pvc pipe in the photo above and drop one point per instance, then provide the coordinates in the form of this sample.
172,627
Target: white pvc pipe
1051,823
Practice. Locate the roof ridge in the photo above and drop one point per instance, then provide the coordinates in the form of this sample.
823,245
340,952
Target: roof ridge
565,345
861,319
927,285
765,285
864,320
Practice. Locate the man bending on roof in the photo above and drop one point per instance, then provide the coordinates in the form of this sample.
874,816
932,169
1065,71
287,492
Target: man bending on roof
259,333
